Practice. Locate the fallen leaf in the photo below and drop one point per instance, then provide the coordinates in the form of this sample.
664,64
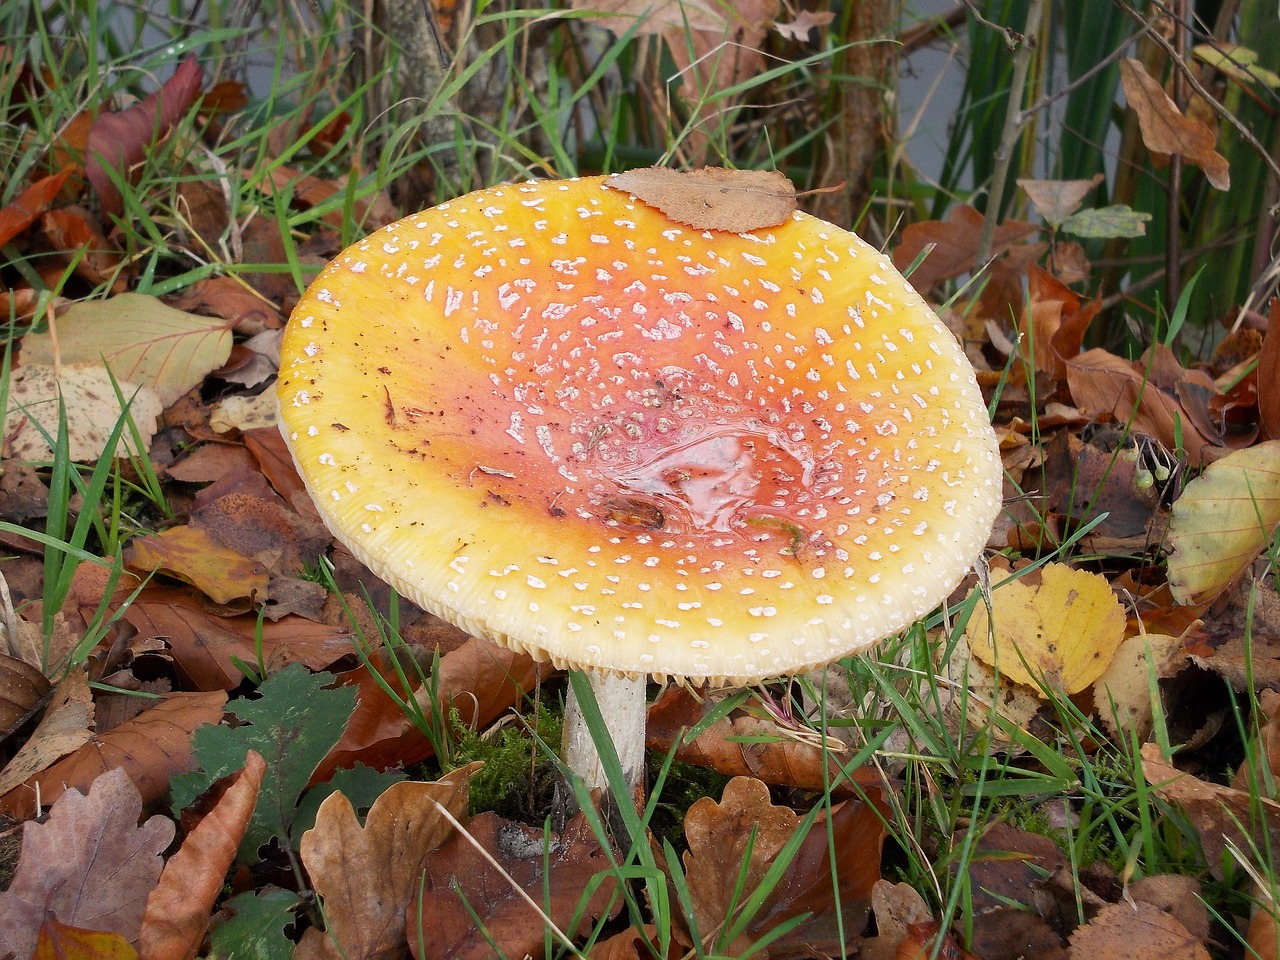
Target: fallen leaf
90,864
92,412
713,198
67,724
71,231
189,554
1055,200
744,745
118,141
1179,895
804,23
27,206
1104,223
22,690
293,722
1122,695
1166,130
61,941
1222,816
140,338
469,909
1060,635
245,413
1222,520
731,845
1125,931
952,244
179,908
1104,385
896,906
367,877
150,748
251,926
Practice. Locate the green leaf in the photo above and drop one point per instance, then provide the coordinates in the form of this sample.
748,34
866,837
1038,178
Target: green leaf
294,722
360,784
1119,220
256,931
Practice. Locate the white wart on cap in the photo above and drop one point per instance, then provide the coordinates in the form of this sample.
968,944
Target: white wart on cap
558,419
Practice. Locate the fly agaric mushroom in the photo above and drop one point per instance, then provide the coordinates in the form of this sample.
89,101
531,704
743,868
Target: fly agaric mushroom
562,421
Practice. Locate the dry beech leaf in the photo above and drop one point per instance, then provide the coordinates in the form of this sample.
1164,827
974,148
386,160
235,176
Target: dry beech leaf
22,687
896,906
1061,634
468,909
1055,200
368,876
1140,931
93,409
179,908
150,749
141,339
1165,129
90,864
713,198
1222,521
1220,815
67,725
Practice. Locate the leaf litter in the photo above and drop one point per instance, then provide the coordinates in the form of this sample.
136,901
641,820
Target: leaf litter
1177,455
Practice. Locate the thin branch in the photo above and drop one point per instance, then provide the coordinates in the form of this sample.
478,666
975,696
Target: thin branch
1013,121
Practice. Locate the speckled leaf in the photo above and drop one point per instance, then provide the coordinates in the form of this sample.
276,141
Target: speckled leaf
713,198
93,410
1223,520
141,339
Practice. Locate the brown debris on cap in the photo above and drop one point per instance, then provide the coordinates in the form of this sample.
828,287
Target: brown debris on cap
554,417
713,198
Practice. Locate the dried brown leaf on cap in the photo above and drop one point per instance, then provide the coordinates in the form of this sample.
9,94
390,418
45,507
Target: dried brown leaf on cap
713,198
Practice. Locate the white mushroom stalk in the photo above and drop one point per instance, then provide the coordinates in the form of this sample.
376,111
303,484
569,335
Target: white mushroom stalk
564,422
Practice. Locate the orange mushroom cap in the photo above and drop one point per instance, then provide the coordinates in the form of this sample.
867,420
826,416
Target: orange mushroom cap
556,418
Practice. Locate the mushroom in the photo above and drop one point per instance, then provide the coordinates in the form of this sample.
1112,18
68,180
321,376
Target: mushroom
562,421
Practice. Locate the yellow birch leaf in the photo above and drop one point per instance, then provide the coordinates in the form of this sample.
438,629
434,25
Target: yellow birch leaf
1222,521
1060,635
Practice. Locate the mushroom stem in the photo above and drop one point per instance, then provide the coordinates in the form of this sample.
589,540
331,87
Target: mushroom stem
623,708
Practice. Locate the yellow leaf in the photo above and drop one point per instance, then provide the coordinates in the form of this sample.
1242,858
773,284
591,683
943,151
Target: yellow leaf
1223,520
1060,635
58,941
190,554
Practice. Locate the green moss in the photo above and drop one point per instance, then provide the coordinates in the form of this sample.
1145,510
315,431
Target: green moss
516,773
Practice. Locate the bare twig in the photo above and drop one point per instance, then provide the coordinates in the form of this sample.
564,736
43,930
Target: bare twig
1013,121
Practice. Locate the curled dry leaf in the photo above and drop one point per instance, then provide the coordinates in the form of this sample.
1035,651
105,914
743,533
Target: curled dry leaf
713,198
27,206
178,909
1165,129
90,864
1222,521
1059,635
